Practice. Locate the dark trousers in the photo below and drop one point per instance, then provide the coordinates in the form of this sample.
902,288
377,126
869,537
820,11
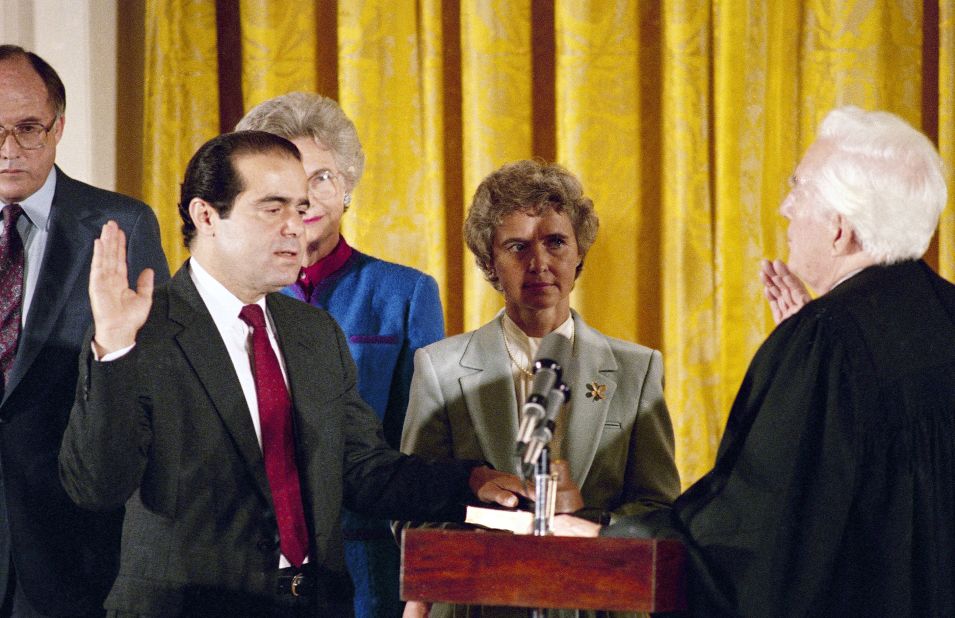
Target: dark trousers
16,604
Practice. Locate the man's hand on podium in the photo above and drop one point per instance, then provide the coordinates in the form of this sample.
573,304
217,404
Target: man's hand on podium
490,485
568,525
416,609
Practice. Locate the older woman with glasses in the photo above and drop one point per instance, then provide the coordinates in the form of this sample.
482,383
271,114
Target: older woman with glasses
386,311
530,227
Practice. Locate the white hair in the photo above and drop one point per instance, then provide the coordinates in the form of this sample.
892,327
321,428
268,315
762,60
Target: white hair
885,178
305,114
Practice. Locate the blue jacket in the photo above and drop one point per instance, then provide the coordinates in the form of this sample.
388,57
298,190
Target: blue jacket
387,312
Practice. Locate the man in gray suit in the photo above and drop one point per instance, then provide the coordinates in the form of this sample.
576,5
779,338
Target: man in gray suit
184,392
55,559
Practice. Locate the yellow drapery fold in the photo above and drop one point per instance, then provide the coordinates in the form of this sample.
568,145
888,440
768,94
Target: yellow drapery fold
496,115
683,120
598,127
181,104
390,78
750,162
690,340
278,49
865,53
946,134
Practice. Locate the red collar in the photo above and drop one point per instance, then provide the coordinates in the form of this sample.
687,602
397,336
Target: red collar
311,276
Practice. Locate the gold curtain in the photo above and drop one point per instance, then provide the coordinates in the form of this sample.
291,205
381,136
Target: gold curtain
496,69
945,104
683,119
278,47
180,104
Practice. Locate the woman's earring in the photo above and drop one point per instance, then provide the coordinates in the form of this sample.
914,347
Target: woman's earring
346,199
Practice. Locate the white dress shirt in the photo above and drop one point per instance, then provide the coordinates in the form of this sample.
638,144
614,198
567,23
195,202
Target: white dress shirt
224,307
523,349
34,230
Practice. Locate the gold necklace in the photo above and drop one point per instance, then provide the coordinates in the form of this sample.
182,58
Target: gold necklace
507,346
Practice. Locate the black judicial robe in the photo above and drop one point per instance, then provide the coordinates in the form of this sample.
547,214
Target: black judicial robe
833,492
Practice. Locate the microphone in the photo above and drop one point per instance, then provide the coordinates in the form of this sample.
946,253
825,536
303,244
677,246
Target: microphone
552,357
545,431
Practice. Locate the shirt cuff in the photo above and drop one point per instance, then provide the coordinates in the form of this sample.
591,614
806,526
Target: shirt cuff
112,355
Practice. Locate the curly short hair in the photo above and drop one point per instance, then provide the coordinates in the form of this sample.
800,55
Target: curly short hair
305,114
527,186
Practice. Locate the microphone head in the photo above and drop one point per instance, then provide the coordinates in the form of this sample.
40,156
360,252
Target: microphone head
554,348
556,398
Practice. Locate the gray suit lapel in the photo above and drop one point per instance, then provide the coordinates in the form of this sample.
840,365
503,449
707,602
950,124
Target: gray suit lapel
206,352
69,248
593,366
489,396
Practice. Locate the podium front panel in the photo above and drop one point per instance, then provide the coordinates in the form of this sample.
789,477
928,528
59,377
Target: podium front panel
491,568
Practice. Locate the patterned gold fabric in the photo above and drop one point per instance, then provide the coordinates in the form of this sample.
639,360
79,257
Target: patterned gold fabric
496,115
946,133
390,72
181,104
683,119
278,48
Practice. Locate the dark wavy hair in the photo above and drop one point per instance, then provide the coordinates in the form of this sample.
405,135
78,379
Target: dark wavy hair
212,177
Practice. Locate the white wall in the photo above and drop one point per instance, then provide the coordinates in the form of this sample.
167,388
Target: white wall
78,38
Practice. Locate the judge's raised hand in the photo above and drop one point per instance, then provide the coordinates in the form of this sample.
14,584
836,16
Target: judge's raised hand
490,485
118,312
784,291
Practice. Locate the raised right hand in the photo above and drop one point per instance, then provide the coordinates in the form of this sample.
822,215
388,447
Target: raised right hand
490,485
118,311
784,291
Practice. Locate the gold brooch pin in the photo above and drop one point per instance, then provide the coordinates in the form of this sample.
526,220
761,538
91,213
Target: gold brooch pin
596,391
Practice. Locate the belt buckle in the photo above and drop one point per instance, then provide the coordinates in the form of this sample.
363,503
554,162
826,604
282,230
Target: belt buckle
296,582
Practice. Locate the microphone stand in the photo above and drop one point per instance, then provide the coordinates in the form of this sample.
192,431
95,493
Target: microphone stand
545,480
545,484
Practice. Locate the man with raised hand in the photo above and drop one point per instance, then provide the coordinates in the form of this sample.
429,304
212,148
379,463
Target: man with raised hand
226,417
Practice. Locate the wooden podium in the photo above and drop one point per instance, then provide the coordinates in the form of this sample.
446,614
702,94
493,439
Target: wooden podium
493,568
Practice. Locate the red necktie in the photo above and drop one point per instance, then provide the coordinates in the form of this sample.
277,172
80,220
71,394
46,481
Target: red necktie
11,287
278,440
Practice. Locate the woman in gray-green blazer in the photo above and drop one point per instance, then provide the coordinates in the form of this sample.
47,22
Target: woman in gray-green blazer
529,227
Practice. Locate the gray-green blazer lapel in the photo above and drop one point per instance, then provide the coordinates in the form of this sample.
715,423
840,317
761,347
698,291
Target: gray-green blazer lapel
592,377
206,352
489,395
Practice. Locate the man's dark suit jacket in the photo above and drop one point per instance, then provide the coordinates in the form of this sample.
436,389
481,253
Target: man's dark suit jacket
65,557
166,430
833,492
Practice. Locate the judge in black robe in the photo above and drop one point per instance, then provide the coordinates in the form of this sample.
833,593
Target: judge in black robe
833,491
